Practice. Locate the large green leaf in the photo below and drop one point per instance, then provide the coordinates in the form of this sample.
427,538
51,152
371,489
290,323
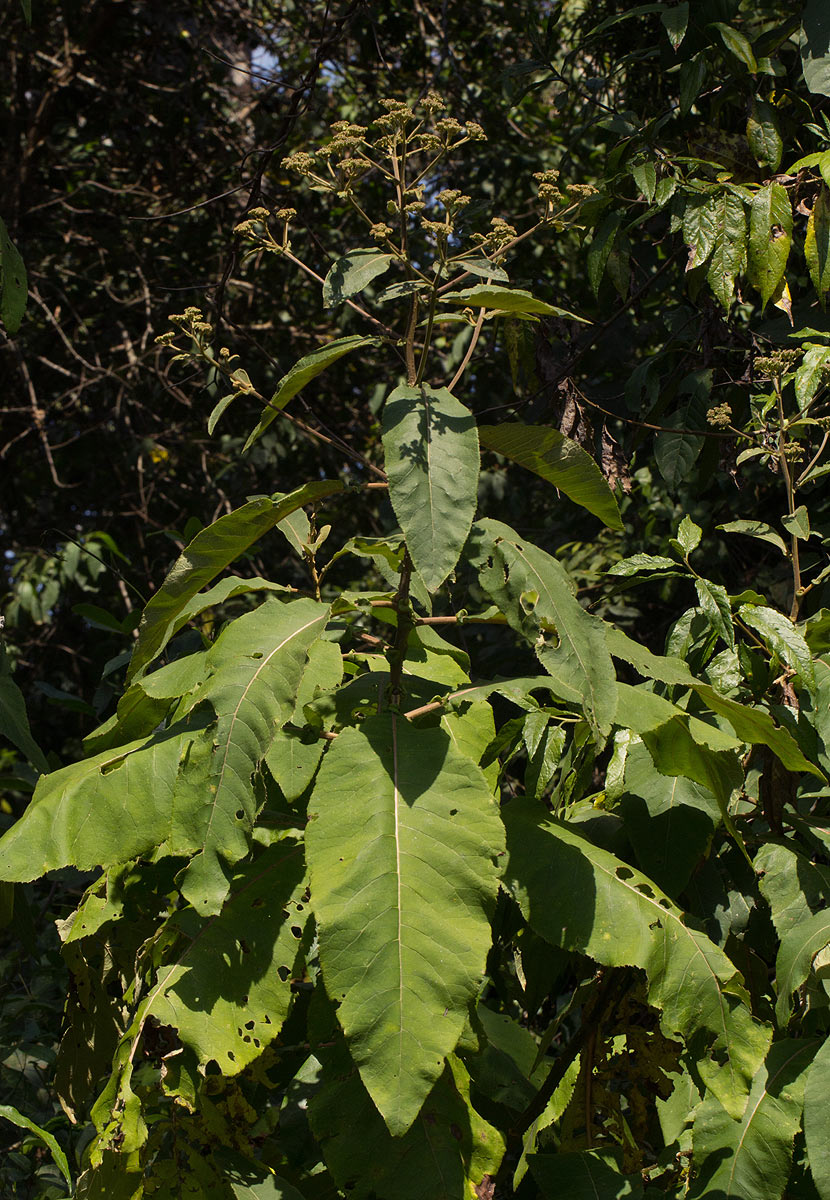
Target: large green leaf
227,992
582,1175
535,595
793,887
431,451
254,673
751,1157
729,253
449,1151
799,946
213,549
782,638
764,135
508,300
557,459
14,723
582,898
817,1120
811,374
107,809
290,760
815,48
352,273
303,371
699,229
817,244
13,283
669,820
770,237
401,845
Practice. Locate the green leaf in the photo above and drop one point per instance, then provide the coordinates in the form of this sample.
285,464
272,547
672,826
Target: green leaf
600,249
797,524
675,20
737,43
223,591
291,761
793,887
216,412
432,463
699,228
14,724
448,1152
693,74
481,266
582,1175
559,460
764,135
569,642
401,842
13,284
26,5
782,638
249,1180
303,371
689,535
815,49
254,672
817,244
213,549
352,273
82,815
811,374
228,991
729,253
817,1119
714,601
756,529
636,564
644,175
22,1122
669,820
794,960
751,1157
770,238
511,300
676,452
582,898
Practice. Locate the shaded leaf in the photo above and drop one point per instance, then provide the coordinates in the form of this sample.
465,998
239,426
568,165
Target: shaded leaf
756,529
794,961
401,842
675,20
212,549
817,244
770,238
432,463
716,607
729,252
815,49
751,1157
559,460
817,1116
303,371
532,590
782,638
763,134
583,899
9,1113
812,373
582,1175
13,283
512,300
14,724
352,273
737,43
600,249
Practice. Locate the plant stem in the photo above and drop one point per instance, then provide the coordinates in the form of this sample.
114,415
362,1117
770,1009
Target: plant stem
788,482
470,349
397,652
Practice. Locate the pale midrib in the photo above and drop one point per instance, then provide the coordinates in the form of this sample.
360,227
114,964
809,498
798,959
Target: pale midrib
235,713
396,808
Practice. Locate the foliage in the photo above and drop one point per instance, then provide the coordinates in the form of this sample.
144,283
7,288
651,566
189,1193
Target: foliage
461,859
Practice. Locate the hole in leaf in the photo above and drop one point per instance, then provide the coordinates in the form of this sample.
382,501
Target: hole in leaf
624,873
257,1043
240,814
246,1038
231,1056
453,812
257,654
664,903
295,929
267,1019
250,1024
212,1067
244,999
283,973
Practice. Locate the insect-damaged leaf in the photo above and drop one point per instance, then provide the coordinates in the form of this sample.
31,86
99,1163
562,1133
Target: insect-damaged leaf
430,445
770,237
582,898
534,593
401,845
254,673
